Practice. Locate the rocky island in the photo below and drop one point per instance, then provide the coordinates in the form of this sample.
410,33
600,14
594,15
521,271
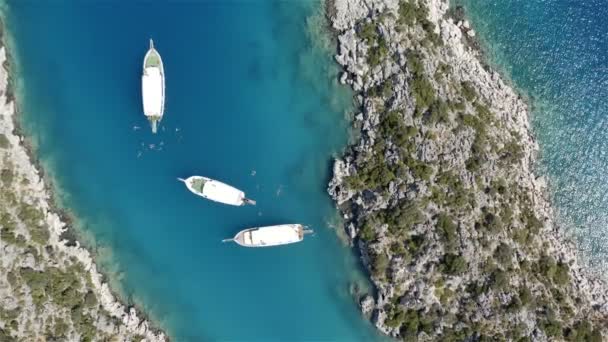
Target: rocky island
50,290
439,193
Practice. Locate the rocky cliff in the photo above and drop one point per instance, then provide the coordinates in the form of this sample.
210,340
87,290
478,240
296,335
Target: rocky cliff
439,192
49,290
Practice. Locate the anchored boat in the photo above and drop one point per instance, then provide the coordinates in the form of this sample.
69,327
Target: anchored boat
153,86
270,236
216,191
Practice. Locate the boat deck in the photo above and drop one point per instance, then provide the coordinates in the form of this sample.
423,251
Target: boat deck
198,184
240,239
273,235
152,59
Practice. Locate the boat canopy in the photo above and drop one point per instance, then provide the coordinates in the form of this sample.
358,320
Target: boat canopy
276,235
221,192
152,88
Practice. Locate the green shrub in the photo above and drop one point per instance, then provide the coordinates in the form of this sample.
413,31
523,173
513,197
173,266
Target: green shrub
438,195
468,92
412,324
458,196
583,331
380,264
515,305
422,170
530,221
525,296
37,282
512,152
90,300
448,179
410,12
39,234
6,176
377,44
478,156
499,279
369,32
441,71
375,173
447,229
63,287
367,232
398,248
438,112
484,113
5,336
410,132
415,65
61,328
561,275
504,254
386,89
498,186
4,143
445,296
453,264
431,37
30,215
473,122
552,328
402,217
6,220
11,278
415,243
489,221
474,163
83,324
422,89
393,127
391,123
547,266
7,235
423,92
377,53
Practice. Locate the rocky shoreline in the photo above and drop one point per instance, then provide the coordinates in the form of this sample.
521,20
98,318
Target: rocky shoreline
49,287
439,193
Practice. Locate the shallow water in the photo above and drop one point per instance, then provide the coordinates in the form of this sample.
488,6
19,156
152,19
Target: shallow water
252,101
556,52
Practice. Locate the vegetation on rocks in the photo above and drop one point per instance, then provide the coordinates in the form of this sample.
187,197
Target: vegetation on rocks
439,192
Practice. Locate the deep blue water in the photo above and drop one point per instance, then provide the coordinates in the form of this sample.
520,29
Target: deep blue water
248,89
556,52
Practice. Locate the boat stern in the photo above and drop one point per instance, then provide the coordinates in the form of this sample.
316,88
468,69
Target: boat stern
247,201
153,123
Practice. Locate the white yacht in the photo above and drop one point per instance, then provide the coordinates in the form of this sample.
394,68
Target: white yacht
270,236
153,86
216,191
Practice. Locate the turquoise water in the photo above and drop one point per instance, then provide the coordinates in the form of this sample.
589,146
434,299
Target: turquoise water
251,100
556,52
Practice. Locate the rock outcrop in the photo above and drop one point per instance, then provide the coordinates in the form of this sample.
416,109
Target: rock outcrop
49,290
439,193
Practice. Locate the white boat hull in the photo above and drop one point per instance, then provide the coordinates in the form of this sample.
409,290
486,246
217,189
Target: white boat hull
153,86
216,191
270,236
